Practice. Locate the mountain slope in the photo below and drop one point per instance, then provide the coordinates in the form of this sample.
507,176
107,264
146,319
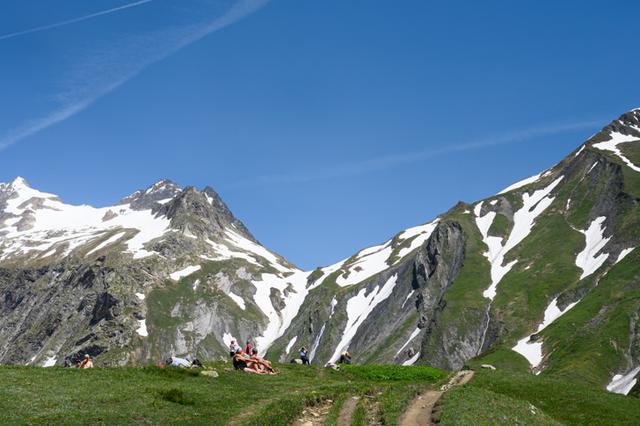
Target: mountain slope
546,271
165,270
547,268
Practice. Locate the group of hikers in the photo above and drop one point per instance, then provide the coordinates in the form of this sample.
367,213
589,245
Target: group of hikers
247,359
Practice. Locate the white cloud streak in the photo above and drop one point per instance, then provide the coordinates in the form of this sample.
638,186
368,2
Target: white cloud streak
389,161
106,70
74,20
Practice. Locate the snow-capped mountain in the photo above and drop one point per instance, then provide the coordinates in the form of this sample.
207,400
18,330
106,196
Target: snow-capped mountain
545,273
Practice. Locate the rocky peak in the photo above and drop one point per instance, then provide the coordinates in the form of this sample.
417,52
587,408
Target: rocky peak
627,124
160,192
202,213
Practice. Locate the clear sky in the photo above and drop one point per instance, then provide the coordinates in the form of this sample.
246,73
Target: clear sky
327,126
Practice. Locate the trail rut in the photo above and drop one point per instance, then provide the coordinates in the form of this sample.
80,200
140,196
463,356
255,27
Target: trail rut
420,410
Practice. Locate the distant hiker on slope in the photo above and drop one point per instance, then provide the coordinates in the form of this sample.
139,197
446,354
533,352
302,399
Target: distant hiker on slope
304,356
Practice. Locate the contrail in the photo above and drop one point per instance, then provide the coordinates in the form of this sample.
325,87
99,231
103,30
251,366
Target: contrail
74,20
370,165
107,73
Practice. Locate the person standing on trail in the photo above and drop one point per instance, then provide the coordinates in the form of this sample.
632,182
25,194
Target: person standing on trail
304,356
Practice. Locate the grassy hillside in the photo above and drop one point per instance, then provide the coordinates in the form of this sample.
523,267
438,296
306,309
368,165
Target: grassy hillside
33,395
501,397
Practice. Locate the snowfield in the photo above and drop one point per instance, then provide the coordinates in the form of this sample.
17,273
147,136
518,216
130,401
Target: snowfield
359,307
523,221
532,351
373,260
55,224
612,146
591,259
178,275
293,291
623,383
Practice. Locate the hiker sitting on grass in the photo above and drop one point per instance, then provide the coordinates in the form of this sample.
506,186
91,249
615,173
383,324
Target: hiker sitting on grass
345,358
240,362
233,348
178,362
86,362
304,355
261,363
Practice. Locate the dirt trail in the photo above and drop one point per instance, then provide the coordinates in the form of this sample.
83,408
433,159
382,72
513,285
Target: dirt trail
419,412
316,415
346,412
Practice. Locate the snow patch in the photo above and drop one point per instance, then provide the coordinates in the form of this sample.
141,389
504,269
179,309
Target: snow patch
412,360
176,276
532,351
411,337
612,146
358,309
316,343
588,259
623,383
624,253
50,361
407,298
334,303
290,345
140,296
373,260
196,283
523,221
105,243
239,300
293,290
224,253
249,246
142,329
520,184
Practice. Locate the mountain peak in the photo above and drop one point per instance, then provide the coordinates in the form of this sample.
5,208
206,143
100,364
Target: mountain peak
19,182
160,192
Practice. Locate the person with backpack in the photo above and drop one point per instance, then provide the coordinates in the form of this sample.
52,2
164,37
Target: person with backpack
304,356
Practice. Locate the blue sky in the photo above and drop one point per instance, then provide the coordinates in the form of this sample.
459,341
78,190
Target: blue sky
326,126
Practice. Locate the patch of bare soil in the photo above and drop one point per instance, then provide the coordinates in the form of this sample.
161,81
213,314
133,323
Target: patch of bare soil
316,415
420,411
